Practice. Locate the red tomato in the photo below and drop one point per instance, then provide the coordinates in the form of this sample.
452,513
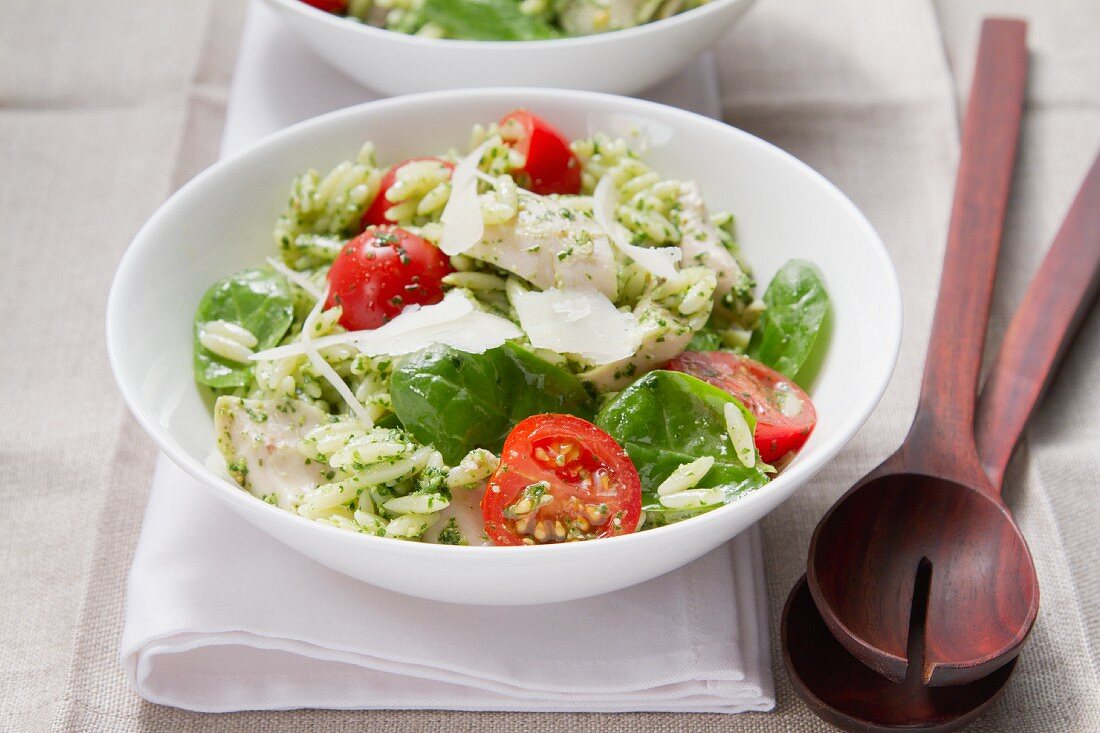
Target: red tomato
380,272
329,6
785,416
550,165
561,479
376,214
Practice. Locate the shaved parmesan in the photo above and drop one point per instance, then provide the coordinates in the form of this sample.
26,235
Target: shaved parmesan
475,333
298,278
463,225
325,369
576,321
658,261
454,321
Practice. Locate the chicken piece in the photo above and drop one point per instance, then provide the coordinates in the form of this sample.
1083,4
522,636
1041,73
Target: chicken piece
465,510
701,245
259,440
551,245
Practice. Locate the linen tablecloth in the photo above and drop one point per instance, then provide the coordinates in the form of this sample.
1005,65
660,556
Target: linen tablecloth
107,107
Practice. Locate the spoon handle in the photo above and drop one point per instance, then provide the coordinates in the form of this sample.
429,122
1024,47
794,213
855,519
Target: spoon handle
943,429
1052,308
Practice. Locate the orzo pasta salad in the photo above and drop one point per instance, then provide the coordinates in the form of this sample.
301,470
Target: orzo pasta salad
504,20
537,341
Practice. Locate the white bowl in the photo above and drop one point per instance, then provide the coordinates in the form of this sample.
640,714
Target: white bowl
221,222
623,62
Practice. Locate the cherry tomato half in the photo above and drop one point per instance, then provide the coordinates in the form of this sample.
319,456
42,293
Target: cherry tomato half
561,479
375,215
329,6
785,416
380,272
550,165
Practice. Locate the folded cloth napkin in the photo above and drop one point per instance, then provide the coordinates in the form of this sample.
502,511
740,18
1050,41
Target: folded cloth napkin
221,617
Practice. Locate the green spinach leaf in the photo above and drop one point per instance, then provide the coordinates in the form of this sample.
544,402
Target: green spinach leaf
258,300
486,20
666,419
796,306
458,401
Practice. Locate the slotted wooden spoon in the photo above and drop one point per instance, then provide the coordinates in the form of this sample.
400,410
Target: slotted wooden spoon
931,503
834,683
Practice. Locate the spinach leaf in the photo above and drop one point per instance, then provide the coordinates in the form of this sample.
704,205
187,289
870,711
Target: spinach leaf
458,401
486,20
796,306
666,419
258,300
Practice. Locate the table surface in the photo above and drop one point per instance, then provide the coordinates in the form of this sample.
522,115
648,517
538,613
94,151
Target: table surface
108,107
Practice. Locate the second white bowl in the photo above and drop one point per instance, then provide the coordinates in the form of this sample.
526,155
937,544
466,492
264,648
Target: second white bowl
623,62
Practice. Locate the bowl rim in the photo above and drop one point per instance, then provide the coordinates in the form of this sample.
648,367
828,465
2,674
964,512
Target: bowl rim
800,472
368,31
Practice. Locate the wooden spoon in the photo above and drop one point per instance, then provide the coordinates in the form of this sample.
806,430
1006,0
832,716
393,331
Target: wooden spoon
834,683
853,697
931,503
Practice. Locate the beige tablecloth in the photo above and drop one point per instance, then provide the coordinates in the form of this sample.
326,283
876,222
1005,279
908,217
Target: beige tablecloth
107,107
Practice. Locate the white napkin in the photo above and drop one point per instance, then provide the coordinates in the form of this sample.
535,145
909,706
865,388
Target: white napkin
221,617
